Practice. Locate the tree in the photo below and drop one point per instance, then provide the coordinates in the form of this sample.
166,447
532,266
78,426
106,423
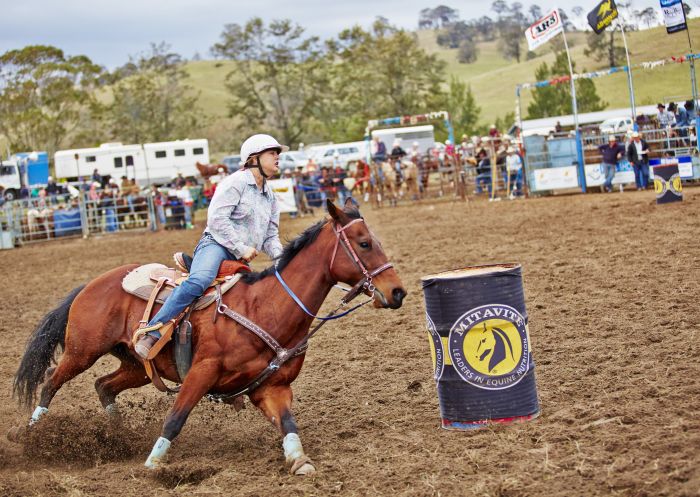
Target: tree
486,28
278,76
440,16
445,15
511,42
535,13
45,96
499,7
378,73
462,107
647,15
555,100
454,34
468,52
605,46
686,9
152,100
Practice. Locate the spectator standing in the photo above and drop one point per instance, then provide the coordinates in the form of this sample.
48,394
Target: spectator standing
159,200
208,191
183,193
339,176
483,172
126,192
558,128
638,155
514,166
493,131
612,152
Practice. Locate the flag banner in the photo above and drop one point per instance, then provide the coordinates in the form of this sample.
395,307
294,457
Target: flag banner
674,15
544,29
602,15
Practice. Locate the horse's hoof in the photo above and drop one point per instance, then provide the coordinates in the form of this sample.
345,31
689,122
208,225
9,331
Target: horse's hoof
305,470
16,433
302,467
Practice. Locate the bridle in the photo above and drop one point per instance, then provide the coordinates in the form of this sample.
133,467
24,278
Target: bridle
364,285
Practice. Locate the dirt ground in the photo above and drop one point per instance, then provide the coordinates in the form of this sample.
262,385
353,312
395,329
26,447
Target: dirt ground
612,285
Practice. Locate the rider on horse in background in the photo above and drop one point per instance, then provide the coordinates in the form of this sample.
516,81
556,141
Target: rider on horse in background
242,219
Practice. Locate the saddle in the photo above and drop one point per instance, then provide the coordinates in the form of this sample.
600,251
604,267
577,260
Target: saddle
155,283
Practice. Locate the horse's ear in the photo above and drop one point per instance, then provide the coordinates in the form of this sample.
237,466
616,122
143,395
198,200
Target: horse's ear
351,203
335,213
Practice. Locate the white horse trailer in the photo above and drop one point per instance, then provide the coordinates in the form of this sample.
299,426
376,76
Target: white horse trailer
168,159
424,135
113,159
152,162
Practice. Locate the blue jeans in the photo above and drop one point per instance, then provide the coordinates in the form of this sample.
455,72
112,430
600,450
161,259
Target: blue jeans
516,182
609,171
208,256
160,210
641,174
483,179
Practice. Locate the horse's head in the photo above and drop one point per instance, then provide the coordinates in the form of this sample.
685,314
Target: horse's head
359,259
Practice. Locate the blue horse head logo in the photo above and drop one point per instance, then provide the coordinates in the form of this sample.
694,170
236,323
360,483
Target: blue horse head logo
494,345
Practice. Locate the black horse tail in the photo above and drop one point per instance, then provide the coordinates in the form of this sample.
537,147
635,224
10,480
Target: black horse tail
48,335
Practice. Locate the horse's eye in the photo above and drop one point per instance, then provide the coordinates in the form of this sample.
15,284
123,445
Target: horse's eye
364,245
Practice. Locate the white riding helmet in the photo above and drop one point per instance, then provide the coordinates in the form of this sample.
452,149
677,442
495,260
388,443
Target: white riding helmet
259,143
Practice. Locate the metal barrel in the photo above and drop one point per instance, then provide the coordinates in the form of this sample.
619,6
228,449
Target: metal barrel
668,184
480,345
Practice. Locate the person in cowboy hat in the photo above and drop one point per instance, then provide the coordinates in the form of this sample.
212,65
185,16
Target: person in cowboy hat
638,155
612,153
242,219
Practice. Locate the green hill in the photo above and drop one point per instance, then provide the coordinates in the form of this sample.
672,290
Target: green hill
493,78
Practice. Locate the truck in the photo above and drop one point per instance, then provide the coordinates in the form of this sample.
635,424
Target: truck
23,170
150,163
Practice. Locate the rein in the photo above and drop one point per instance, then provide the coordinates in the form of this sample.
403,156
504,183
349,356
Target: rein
282,355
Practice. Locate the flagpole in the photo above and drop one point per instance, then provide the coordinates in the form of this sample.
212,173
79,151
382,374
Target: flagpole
630,85
579,148
573,86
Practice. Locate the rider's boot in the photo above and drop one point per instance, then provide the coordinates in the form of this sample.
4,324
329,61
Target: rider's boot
183,261
148,337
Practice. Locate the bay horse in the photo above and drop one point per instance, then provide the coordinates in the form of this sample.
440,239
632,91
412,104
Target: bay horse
209,170
99,318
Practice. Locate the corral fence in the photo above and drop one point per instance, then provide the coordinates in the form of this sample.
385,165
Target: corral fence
58,217
551,163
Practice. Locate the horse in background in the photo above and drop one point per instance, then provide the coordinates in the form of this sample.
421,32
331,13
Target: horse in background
209,170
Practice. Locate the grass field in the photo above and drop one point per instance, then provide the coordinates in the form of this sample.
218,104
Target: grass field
493,78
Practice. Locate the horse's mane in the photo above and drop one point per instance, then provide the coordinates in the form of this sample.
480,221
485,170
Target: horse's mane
292,248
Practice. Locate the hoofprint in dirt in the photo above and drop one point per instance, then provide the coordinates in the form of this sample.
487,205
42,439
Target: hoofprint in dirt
612,284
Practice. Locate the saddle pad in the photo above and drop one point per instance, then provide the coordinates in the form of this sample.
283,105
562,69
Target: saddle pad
138,283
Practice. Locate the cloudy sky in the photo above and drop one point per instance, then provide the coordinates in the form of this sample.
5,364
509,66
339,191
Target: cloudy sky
109,31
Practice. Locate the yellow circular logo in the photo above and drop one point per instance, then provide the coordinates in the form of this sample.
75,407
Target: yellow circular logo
659,186
489,347
493,347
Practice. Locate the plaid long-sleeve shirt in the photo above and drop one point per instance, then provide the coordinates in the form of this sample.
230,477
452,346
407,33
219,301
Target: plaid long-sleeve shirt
241,215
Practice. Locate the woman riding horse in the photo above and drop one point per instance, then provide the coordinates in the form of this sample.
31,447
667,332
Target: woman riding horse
243,218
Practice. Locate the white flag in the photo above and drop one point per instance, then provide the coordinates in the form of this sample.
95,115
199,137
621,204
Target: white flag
674,15
544,29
